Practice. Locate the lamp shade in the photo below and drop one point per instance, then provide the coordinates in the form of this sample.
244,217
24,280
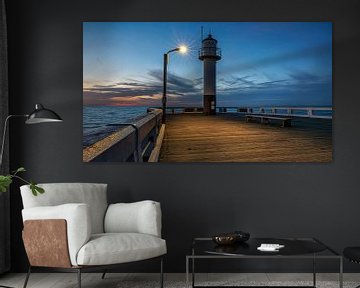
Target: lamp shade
42,115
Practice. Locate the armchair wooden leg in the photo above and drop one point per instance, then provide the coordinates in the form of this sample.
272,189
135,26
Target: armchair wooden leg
79,278
27,277
161,273
103,275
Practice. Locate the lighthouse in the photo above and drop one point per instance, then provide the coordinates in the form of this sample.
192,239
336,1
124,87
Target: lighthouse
209,53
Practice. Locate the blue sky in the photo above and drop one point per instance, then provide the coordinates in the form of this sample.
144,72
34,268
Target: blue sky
263,63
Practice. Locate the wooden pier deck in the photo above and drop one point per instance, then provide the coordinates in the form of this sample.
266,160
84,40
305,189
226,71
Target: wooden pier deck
228,138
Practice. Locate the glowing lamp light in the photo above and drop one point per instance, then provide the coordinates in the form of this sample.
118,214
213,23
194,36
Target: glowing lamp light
183,49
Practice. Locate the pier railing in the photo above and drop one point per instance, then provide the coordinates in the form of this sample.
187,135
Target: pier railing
304,112
133,142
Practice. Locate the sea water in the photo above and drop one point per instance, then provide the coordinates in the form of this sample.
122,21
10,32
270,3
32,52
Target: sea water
100,121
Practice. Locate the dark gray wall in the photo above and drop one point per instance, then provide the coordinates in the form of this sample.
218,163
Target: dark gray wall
320,200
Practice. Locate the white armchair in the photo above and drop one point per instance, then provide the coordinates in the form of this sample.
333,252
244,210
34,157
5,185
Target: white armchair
72,228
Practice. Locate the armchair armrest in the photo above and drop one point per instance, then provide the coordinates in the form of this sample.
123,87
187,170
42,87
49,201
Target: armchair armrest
138,217
78,225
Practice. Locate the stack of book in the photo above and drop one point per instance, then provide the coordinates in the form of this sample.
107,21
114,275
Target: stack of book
270,247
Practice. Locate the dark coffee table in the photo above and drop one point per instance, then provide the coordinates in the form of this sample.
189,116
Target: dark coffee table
295,248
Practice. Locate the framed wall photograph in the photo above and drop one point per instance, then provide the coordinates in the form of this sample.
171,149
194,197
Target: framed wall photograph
207,92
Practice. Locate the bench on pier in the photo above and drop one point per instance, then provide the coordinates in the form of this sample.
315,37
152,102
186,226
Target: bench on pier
265,119
193,110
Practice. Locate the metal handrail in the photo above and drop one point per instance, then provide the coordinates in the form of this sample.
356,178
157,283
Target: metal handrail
143,130
309,112
137,150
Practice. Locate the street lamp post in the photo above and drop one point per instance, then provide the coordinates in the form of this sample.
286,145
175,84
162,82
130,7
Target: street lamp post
183,50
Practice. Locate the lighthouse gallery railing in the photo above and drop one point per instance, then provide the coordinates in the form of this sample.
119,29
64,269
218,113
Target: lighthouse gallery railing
206,51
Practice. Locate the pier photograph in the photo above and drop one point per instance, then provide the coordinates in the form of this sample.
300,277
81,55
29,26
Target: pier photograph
207,92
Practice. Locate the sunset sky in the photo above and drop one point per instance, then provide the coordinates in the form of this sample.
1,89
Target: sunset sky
263,63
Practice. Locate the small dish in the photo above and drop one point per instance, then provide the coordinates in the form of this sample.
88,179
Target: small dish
225,239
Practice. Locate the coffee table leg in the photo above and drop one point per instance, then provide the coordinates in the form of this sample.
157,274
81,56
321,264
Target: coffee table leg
341,273
314,271
193,272
187,272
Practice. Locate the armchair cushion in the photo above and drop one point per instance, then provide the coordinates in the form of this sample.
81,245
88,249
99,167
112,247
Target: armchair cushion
138,217
78,221
92,194
113,248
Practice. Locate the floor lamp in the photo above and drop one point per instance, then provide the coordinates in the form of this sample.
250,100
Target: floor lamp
39,115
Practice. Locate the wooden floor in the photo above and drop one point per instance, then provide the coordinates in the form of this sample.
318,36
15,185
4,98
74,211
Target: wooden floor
174,280
229,138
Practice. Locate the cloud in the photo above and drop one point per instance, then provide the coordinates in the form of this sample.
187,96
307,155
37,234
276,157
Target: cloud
146,92
297,87
237,80
312,52
174,81
104,86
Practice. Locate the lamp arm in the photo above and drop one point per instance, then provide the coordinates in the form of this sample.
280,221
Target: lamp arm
172,50
4,134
